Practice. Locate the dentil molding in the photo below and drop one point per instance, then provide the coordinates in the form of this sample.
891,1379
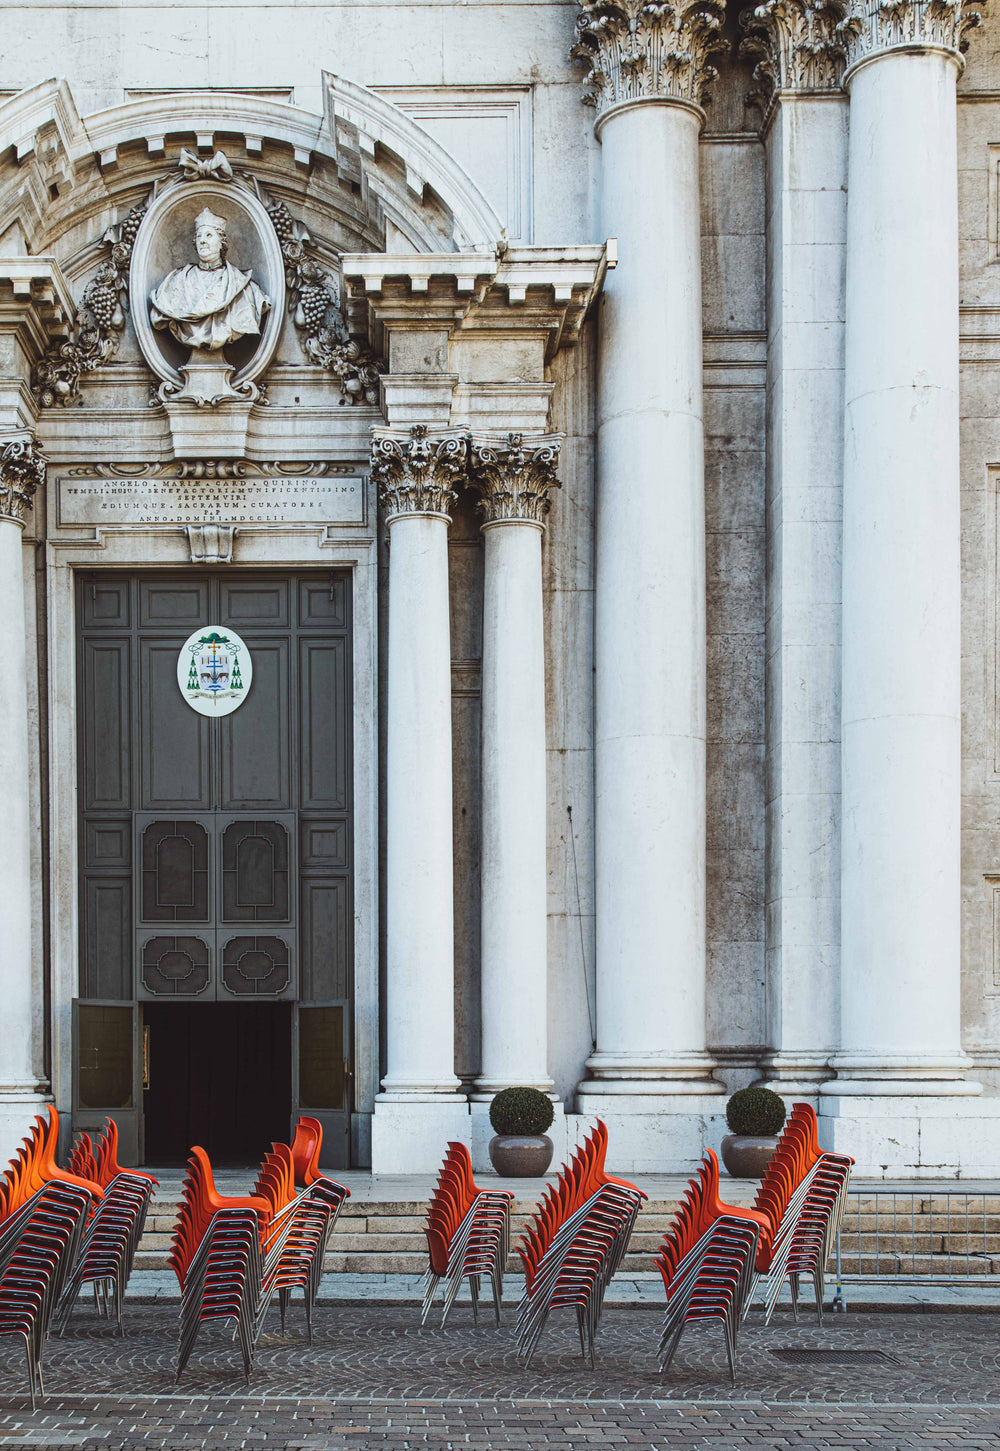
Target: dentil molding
799,45
638,50
513,475
416,470
22,471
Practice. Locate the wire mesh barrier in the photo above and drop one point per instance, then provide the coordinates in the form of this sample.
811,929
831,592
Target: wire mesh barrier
916,1238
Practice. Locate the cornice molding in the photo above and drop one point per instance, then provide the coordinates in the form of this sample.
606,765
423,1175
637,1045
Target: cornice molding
22,472
639,50
798,45
513,474
416,469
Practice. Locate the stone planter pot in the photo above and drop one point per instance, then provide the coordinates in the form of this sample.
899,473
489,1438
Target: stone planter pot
745,1156
521,1156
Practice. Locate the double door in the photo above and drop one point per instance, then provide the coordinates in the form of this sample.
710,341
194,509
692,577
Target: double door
215,852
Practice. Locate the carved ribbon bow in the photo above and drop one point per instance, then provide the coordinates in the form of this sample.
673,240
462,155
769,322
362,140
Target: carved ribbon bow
217,167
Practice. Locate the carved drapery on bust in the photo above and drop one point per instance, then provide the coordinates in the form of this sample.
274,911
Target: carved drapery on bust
637,51
22,471
799,45
513,475
416,470
209,303
873,26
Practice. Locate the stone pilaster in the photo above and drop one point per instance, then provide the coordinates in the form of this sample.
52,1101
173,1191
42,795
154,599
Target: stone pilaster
513,476
416,471
22,471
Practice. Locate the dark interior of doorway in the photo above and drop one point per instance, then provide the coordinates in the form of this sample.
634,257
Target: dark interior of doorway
220,1075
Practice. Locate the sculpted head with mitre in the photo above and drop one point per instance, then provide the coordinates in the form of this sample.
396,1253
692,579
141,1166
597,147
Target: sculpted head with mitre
209,303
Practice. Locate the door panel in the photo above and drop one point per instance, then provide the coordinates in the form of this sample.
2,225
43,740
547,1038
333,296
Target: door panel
107,1076
322,1075
216,855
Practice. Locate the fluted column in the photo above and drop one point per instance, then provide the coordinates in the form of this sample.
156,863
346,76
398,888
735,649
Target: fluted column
22,471
901,926
648,71
416,472
513,475
801,55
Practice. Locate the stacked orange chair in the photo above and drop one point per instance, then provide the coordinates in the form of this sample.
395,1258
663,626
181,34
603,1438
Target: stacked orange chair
231,1254
43,1216
468,1235
577,1242
115,1228
715,1256
804,1189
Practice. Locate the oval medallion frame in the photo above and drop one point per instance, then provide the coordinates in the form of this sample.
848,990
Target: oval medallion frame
165,241
223,697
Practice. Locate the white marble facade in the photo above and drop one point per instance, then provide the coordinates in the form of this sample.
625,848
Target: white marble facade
681,774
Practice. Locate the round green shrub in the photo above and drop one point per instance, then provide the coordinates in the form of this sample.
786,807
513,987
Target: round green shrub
756,1111
521,1111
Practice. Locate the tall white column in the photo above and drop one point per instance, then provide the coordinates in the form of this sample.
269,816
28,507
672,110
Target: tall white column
22,471
418,1109
648,71
901,927
513,475
802,58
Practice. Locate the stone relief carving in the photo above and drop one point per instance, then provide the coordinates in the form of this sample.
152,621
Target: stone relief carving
210,303
210,543
99,321
313,293
315,299
202,468
875,25
635,50
22,471
798,45
416,471
513,476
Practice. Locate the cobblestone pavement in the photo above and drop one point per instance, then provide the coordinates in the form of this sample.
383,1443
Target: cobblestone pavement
373,1378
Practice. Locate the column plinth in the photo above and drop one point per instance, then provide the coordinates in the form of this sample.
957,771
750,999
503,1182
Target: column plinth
22,471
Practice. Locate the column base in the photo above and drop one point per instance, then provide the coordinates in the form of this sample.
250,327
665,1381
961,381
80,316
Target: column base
18,1107
796,1075
658,1133
913,1137
646,1074
411,1131
486,1088
906,1075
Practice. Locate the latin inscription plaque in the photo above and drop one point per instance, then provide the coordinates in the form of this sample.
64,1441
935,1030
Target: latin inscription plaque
327,498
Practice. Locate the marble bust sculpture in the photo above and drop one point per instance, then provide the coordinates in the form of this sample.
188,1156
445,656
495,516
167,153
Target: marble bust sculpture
209,303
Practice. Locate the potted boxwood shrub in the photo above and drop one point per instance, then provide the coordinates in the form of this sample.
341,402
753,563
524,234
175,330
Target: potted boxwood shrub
520,1147
755,1115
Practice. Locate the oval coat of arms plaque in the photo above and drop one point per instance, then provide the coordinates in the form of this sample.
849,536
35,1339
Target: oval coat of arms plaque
214,670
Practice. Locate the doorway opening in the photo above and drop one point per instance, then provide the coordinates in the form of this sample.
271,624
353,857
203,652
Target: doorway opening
220,1075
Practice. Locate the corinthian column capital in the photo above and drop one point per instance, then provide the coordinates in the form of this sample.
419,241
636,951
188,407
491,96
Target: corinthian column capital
22,471
645,50
416,469
799,45
512,474
872,27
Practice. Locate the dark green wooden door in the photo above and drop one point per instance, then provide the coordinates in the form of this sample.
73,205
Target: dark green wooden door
215,854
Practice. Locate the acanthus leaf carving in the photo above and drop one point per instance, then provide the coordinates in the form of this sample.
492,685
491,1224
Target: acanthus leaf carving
513,475
799,45
873,26
648,49
416,470
22,472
